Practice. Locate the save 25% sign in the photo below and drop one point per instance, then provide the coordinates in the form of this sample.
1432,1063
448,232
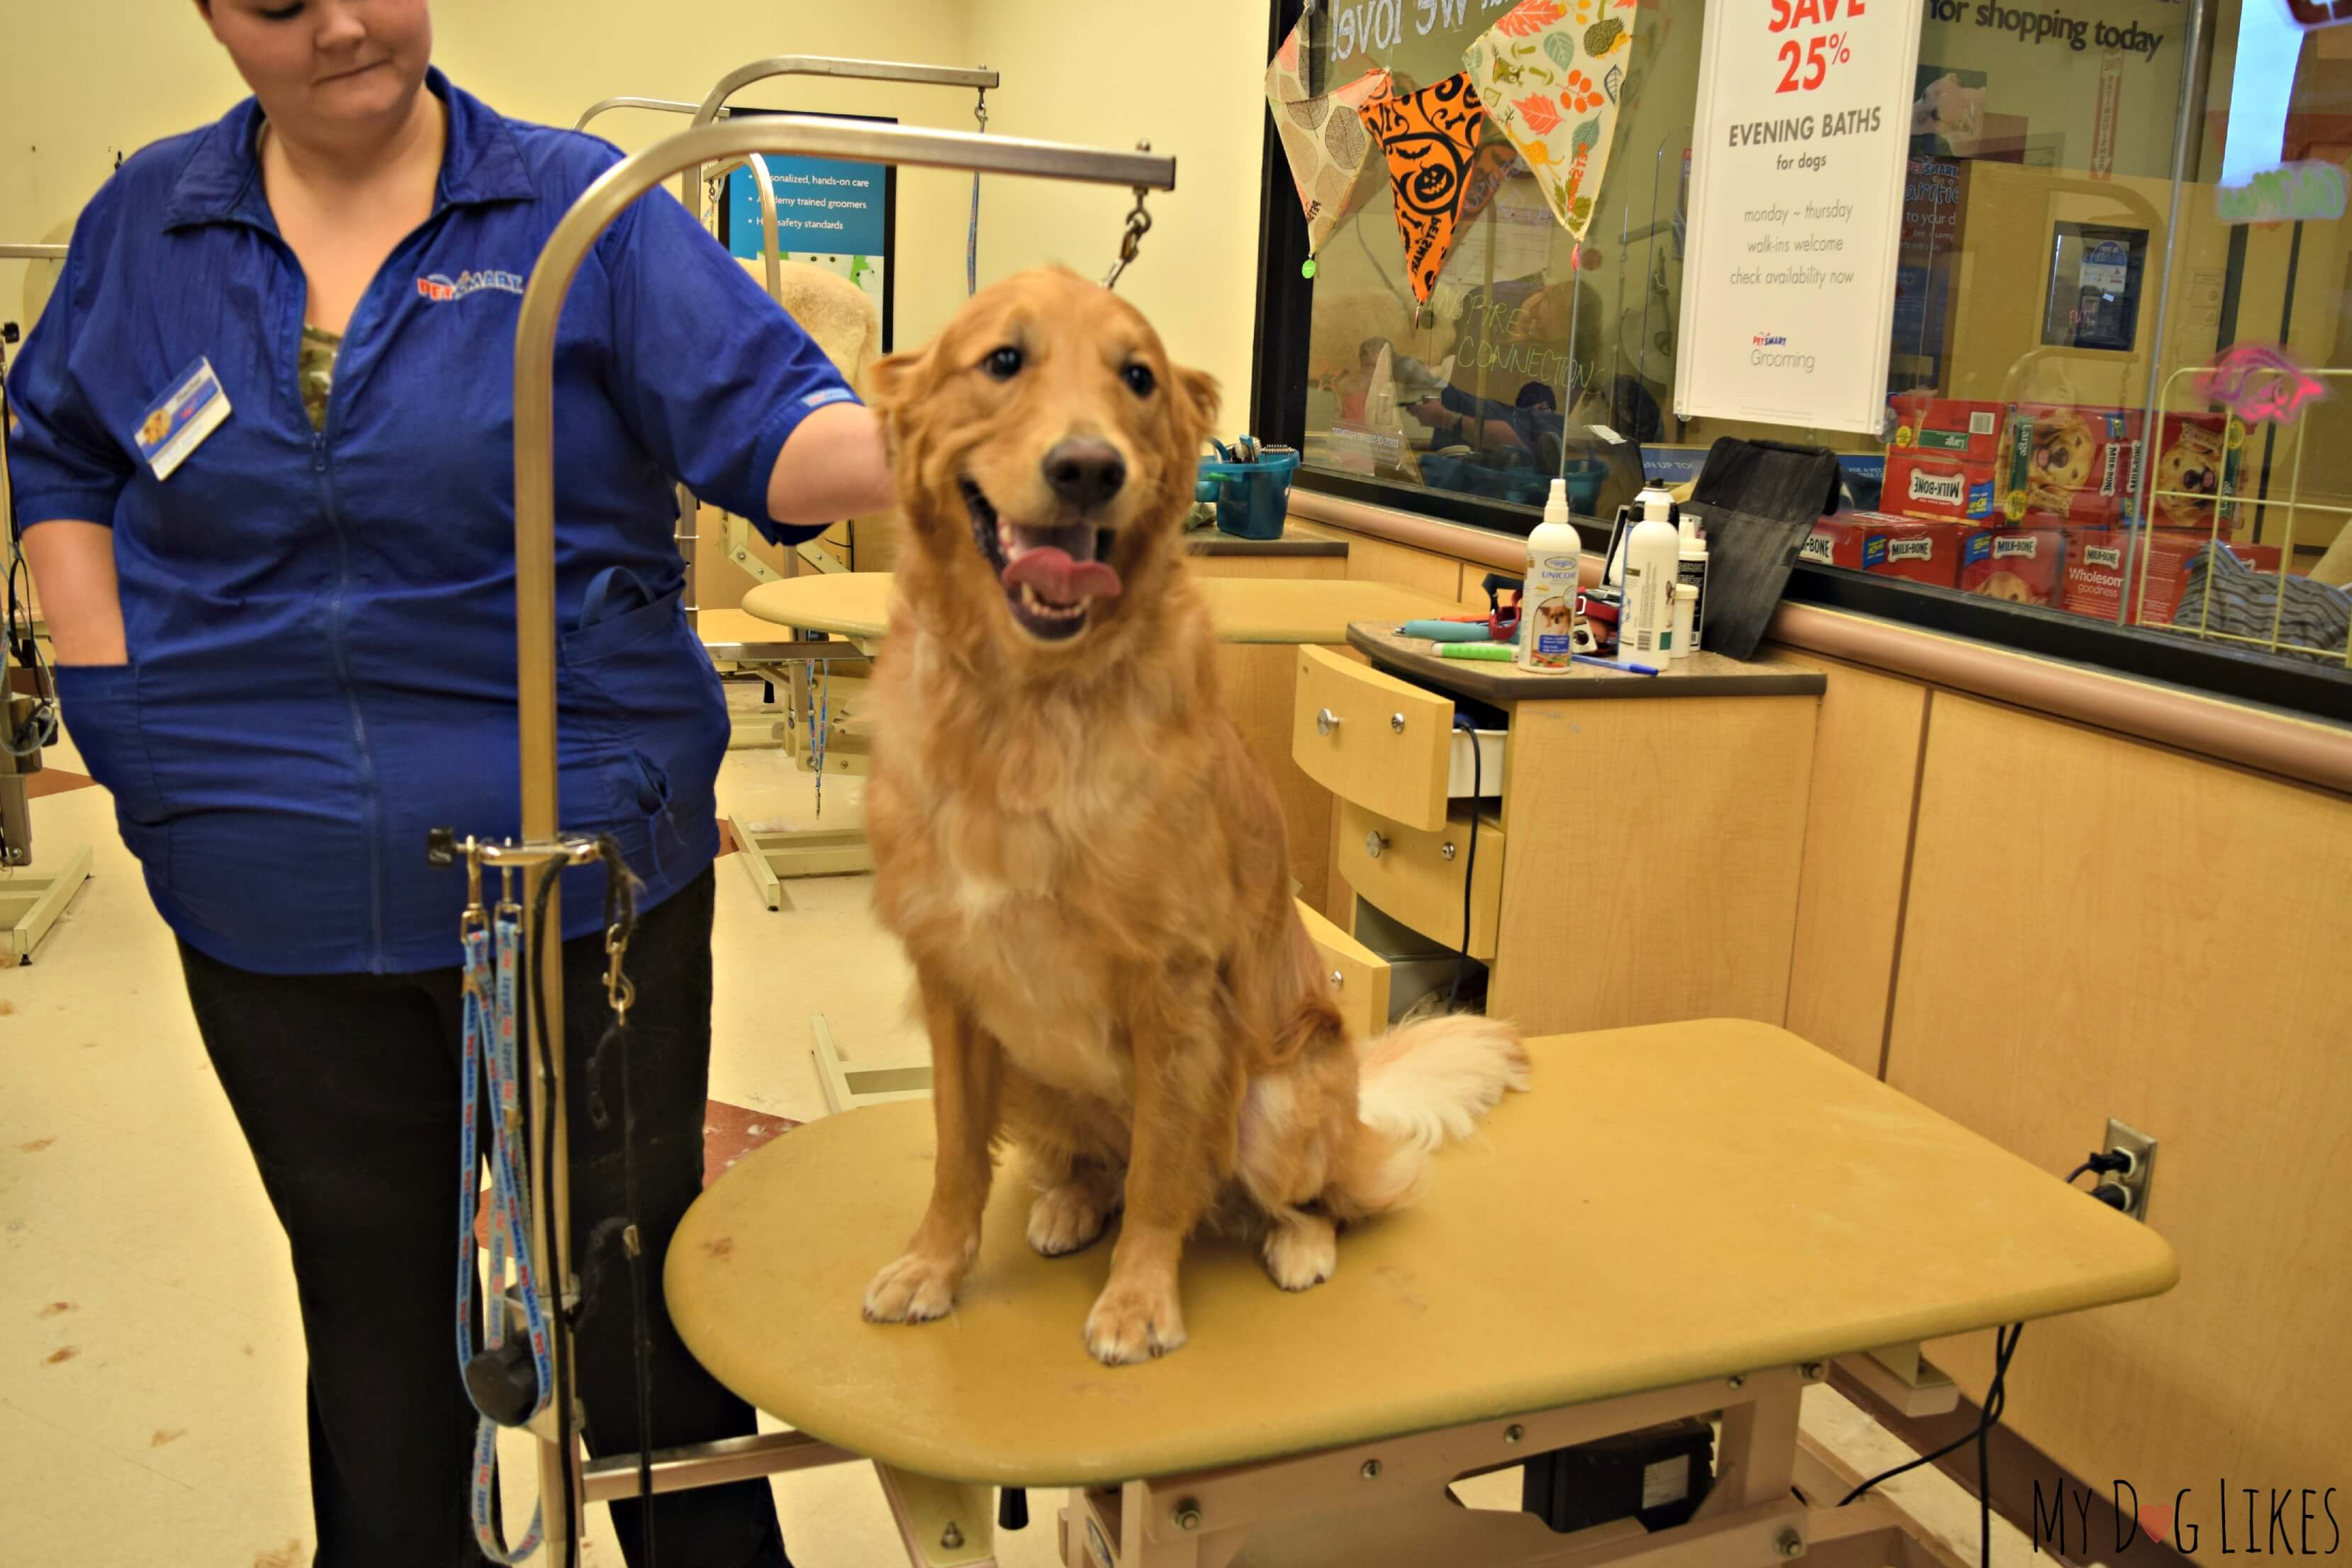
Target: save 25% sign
1808,59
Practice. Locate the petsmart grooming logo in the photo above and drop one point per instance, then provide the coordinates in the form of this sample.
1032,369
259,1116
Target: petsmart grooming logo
441,289
1766,340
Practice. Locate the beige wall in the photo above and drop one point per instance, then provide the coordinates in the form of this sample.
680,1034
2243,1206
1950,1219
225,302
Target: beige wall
1071,74
549,60
536,59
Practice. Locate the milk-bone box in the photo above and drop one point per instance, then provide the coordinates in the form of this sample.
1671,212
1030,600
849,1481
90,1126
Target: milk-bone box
2019,566
1939,489
2068,466
1950,426
2098,561
1892,546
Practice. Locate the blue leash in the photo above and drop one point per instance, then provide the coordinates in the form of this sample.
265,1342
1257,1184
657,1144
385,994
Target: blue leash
491,1034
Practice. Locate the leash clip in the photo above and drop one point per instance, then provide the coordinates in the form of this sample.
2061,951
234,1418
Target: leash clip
1138,224
620,990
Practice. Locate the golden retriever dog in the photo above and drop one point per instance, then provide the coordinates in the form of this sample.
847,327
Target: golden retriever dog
1084,862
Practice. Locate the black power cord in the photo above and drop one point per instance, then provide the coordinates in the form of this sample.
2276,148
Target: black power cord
1470,865
2004,1342
535,1027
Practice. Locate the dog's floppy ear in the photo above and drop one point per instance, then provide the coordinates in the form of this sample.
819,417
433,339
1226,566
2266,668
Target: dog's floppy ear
888,378
1197,398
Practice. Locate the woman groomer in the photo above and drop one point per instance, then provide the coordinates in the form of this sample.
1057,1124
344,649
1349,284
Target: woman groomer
288,651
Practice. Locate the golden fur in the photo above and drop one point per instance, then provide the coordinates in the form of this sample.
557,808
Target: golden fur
1087,865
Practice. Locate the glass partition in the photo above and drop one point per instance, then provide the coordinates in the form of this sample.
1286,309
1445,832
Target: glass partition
2119,396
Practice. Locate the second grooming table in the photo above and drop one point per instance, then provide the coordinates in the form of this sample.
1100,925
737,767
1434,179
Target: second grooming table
1679,1219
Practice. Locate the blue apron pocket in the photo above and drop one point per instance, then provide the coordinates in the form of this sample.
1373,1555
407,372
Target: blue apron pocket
100,707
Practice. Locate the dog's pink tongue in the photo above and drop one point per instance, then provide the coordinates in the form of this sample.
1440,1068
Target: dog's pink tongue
1055,576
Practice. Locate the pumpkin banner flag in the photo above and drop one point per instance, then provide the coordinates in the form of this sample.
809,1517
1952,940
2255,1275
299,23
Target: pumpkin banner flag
1431,139
1551,73
1323,139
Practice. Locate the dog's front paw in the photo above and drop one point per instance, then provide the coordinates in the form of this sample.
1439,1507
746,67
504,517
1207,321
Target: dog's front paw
1302,1251
915,1289
1066,1218
1129,1324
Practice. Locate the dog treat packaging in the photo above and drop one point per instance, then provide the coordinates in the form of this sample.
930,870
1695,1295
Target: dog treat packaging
1895,546
2070,466
2196,472
2021,566
1940,488
1950,426
2097,563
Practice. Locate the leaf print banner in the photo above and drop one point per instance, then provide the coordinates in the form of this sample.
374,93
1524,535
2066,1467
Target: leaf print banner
1553,71
1431,139
1324,140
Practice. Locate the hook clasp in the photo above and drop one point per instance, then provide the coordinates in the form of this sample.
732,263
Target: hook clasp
1138,224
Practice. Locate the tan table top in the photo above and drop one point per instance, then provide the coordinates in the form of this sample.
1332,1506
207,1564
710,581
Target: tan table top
1244,610
1670,1203
1703,674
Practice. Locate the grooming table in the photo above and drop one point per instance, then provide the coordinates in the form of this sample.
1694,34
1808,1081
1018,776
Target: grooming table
1679,1219
1264,614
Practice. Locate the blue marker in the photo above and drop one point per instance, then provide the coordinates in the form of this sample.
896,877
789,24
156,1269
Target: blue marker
1612,664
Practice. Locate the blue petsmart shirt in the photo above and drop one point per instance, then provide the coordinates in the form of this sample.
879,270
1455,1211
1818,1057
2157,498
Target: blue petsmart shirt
321,625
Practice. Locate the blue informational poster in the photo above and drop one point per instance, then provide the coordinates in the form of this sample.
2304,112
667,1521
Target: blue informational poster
842,217
821,204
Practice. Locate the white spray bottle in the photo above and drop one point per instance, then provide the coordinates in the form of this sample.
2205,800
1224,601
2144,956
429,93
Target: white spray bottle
1645,624
1548,599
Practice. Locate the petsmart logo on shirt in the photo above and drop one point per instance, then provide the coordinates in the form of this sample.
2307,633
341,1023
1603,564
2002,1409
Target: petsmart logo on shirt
441,289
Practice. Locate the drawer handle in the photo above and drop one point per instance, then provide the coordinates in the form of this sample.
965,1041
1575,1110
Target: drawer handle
1326,722
1338,980
1374,842
1445,850
1396,723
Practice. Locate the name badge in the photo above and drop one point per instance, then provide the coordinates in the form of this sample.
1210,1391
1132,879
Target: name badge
180,420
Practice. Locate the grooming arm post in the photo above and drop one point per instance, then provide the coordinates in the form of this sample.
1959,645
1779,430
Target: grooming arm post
534,425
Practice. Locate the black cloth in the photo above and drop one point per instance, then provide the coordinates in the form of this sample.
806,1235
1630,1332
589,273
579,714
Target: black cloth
346,1087
1758,502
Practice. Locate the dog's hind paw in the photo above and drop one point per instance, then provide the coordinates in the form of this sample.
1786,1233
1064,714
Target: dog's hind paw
1066,1218
1130,1325
914,1289
1302,1251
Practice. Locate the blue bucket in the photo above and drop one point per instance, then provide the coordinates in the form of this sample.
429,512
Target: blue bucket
1252,499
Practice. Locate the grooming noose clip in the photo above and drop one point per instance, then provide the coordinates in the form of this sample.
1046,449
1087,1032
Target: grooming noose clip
1138,224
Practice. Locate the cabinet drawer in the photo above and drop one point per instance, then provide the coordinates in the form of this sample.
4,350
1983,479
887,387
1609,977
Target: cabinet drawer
1372,739
1416,875
1359,976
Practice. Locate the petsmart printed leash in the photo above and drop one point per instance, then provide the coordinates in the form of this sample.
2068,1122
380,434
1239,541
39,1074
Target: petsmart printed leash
490,1036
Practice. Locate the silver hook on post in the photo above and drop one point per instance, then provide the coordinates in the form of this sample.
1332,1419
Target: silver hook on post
1138,224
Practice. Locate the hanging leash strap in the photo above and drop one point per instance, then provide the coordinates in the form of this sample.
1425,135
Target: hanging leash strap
493,964
971,237
824,726
621,994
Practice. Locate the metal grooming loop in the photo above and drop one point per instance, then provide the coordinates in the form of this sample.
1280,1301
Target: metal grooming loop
543,852
604,105
714,108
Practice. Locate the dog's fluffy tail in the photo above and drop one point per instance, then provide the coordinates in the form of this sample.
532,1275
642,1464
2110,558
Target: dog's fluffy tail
1421,1086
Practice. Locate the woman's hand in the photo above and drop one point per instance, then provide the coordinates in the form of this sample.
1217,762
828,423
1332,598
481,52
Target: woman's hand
834,466
73,571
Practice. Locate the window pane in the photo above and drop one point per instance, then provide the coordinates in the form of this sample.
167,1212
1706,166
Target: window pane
2110,397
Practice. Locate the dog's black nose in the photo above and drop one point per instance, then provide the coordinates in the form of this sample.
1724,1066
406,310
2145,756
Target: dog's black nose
1085,472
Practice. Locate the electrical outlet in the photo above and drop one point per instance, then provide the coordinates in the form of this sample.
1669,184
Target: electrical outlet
2136,1181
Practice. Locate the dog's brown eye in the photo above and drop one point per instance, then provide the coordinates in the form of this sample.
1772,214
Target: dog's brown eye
1138,379
1003,364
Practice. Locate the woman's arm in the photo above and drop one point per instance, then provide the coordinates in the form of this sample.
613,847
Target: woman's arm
73,569
833,466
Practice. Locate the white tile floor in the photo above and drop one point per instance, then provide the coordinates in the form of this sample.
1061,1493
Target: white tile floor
150,1360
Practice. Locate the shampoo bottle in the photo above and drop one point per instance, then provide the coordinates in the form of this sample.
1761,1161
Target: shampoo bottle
1691,568
1547,601
1646,627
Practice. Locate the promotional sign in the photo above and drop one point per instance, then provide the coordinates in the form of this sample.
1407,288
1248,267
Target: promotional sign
838,215
1800,148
